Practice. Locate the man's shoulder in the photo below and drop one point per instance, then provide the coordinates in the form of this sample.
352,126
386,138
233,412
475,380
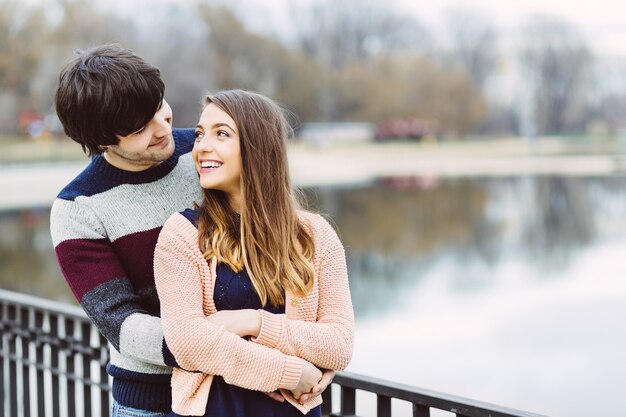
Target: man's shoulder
87,183
92,180
184,139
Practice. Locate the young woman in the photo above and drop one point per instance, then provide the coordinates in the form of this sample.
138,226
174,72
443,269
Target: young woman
254,292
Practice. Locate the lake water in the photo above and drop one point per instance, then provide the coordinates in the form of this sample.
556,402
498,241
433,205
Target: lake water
508,290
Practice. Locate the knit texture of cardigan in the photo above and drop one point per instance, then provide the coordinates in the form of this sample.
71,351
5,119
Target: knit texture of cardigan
318,328
104,227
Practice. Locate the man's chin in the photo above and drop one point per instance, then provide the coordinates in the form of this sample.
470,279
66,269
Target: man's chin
168,150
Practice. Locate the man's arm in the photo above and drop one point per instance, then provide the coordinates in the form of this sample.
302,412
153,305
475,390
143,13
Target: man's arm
99,283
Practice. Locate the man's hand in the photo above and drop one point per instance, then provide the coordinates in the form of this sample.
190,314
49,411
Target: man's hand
276,395
327,378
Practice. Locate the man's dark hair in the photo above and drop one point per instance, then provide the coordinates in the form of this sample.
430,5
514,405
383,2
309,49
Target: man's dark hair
106,91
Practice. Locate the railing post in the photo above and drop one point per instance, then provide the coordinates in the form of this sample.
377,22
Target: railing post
420,410
85,332
54,364
70,367
12,316
348,401
40,364
383,406
26,321
327,401
105,404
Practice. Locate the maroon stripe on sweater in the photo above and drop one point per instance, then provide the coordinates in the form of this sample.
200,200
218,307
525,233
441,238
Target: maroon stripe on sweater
136,251
88,263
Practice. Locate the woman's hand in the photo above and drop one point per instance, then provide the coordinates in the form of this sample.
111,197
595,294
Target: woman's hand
243,323
309,378
327,378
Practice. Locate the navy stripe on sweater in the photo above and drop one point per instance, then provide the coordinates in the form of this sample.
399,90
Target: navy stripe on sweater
105,176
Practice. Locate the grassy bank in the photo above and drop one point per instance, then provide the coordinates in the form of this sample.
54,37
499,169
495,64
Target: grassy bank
16,150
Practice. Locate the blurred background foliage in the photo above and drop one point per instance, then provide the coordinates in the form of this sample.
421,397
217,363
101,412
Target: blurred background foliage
354,60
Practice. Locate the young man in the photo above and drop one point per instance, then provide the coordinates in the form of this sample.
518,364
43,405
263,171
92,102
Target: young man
105,223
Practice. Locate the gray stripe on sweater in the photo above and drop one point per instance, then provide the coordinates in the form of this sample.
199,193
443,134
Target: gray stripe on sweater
69,220
132,364
109,304
121,317
141,337
130,208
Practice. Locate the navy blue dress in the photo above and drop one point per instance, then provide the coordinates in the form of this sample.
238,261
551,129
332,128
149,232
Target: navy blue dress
234,291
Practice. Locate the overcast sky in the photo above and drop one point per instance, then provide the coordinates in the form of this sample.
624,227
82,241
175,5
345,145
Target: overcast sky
602,21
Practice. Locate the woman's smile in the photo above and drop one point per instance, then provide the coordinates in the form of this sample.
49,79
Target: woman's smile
209,165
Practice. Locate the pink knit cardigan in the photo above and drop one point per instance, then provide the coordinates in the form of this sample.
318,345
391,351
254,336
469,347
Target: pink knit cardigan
318,328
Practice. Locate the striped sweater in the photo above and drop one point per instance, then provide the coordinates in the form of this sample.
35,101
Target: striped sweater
318,328
104,227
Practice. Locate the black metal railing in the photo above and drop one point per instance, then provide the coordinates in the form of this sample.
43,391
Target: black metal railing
421,400
52,358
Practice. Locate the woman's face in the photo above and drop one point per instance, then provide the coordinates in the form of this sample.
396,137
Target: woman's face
216,152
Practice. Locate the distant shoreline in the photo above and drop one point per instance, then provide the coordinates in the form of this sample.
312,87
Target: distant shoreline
36,184
367,162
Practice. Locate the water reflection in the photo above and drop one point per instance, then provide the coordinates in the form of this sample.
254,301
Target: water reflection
513,282
392,235
27,261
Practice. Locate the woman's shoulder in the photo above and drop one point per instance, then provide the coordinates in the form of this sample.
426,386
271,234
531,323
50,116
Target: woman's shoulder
191,215
315,222
309,218
182,224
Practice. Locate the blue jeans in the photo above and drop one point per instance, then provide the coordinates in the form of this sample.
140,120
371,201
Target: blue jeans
120,410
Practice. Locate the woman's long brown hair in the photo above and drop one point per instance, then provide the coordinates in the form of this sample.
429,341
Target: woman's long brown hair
268,240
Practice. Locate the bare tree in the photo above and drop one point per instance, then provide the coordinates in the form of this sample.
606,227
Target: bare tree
338,33
414,87
243,59
557,64
185,60
473,42
22,40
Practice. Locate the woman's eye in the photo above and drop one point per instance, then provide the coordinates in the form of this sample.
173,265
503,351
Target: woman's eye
140,131
222,133
199,136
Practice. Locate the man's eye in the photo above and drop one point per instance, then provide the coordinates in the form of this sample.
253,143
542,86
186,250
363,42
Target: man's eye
140,131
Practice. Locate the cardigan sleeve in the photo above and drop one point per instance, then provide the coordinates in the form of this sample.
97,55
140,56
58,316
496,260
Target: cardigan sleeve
327,342
181,274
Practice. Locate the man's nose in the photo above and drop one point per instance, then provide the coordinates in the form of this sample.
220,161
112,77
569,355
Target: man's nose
163,126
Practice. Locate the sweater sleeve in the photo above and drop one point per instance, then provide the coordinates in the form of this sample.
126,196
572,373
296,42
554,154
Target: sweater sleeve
99,283
181,274
327,342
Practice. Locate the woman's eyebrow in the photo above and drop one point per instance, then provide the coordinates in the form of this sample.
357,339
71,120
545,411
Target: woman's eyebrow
218,125
222,124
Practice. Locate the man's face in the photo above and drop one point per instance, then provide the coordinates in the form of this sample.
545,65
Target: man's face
147,147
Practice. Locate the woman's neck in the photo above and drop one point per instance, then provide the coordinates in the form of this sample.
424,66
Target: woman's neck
235,203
